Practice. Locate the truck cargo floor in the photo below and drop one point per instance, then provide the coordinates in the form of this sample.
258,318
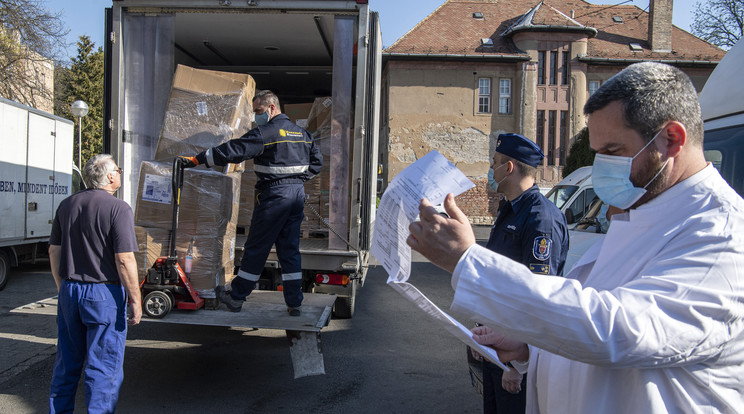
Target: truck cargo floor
262,310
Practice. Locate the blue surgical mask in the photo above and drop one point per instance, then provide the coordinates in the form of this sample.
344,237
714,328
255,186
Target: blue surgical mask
262,119
611,178
493,183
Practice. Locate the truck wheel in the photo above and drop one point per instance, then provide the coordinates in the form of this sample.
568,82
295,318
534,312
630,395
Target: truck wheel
157,304
4,269
343,308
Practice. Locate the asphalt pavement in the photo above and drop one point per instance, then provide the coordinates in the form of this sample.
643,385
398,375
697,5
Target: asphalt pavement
389,358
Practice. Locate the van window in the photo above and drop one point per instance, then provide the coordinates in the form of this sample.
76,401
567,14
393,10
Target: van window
77,181
560,194
724,148
578,209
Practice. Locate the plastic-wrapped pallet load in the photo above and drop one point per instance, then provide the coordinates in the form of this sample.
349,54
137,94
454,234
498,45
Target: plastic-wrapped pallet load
205,109
208,214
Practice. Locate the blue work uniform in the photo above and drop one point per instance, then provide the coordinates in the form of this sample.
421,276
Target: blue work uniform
284,157
531,230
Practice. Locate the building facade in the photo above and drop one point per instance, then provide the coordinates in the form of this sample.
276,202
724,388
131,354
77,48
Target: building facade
475,69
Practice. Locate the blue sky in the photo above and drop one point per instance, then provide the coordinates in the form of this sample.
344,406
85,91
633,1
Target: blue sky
85,17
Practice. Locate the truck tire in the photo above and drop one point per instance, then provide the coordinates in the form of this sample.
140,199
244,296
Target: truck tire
343,308
4,269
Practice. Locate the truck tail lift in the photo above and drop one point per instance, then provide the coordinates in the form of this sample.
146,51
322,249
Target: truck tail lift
166,284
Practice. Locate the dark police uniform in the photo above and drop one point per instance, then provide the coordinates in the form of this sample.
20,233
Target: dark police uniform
531,230
284,157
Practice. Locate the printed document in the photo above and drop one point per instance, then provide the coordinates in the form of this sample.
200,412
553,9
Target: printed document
431,177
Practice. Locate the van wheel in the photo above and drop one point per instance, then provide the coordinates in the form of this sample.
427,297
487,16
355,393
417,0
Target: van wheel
343,308
4,269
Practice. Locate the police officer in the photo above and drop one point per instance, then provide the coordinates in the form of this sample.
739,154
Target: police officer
529,229
284,157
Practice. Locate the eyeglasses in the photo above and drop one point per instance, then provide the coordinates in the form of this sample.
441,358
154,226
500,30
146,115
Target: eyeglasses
119,170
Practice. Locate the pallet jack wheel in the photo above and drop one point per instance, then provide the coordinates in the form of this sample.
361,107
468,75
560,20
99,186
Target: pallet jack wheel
157,304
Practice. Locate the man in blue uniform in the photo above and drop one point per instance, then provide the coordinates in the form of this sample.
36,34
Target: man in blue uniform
284,157
91,253
529,229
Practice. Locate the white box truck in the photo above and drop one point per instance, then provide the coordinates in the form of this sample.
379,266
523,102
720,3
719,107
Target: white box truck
301,50
36,174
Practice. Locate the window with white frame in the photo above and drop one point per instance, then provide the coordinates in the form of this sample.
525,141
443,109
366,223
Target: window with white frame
593,86
484,95
504,96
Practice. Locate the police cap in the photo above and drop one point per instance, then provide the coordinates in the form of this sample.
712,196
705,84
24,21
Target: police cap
519,148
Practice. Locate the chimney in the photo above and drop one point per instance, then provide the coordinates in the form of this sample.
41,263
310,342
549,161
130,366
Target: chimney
660,25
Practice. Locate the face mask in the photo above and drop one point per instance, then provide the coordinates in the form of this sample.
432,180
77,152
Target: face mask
493,183
263,119
611,178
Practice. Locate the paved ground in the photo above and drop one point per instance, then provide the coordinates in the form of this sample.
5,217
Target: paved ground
389,358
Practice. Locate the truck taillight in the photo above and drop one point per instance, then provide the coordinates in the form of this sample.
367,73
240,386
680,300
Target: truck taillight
332,279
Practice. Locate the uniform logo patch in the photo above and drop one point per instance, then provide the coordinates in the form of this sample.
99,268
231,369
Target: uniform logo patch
282,132
541,247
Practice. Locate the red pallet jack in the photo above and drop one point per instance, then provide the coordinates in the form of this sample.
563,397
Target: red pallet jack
166,284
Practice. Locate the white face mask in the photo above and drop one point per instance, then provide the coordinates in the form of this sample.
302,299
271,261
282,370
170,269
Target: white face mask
611,178
493,183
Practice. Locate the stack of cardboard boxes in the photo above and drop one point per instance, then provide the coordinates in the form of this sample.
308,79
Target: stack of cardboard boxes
317,190
205,109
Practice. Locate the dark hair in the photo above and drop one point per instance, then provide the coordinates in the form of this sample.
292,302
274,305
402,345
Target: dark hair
266,98
652,94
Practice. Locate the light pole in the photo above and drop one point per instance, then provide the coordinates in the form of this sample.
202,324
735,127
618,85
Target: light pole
79,109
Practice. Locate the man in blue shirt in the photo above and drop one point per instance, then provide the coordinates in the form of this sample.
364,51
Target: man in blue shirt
529,229
284,157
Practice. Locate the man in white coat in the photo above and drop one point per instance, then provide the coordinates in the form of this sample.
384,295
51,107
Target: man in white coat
649,320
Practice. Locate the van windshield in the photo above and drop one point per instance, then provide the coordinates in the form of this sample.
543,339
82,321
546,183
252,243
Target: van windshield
561,193
724,148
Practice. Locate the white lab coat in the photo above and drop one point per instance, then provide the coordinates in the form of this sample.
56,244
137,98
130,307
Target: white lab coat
649,321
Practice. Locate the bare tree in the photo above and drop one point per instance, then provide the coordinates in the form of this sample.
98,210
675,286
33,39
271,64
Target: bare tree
31,40
720,22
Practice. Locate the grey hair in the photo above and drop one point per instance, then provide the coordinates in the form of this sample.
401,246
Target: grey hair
266,98
97,169
652,94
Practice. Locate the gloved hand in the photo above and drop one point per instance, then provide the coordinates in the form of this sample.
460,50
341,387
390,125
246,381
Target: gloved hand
189,162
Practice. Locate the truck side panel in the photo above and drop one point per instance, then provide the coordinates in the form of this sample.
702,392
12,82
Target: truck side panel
12,159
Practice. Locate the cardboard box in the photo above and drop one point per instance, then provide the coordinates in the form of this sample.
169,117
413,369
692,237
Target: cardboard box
298,113
248,181
205,109
320,115
212,260
209,200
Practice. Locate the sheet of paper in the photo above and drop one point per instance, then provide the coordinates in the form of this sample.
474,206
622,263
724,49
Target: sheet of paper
431,177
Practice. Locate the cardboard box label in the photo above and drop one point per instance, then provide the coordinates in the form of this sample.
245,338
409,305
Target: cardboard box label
201,108
157,189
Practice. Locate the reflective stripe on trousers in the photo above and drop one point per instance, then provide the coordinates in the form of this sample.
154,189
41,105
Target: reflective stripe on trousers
276,220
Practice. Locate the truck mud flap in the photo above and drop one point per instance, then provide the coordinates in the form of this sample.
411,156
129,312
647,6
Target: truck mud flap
306,352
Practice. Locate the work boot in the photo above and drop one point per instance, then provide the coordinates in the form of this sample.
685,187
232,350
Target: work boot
293,311
233,305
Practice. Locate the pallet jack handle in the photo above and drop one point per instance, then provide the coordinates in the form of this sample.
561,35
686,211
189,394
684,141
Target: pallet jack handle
177,185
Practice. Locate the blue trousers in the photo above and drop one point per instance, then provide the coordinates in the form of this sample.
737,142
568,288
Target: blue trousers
277,216
92,332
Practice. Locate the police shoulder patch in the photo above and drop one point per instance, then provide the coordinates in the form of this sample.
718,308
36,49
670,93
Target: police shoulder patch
541,247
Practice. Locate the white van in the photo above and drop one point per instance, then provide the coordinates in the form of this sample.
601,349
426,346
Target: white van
574,195
722,105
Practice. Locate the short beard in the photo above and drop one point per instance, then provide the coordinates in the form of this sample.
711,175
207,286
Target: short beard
650,168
